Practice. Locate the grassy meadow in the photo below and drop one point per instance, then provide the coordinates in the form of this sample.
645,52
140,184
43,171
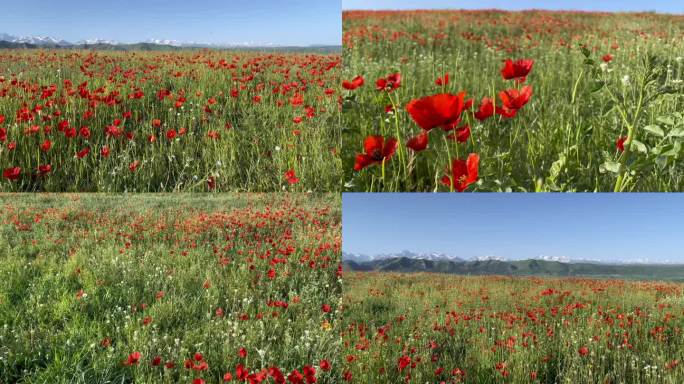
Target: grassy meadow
588,101
437,328
169,288
191,120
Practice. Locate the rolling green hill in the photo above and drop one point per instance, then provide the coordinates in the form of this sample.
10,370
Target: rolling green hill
523,268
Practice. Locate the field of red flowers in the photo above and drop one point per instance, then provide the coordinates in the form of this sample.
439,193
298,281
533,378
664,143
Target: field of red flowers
429,328
169,121
165,289
512,101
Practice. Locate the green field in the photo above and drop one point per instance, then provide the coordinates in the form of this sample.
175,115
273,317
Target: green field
435,328
183,120
168,288
604,110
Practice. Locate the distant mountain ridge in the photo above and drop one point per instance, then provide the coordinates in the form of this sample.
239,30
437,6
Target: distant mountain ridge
407,254
529,267
11,41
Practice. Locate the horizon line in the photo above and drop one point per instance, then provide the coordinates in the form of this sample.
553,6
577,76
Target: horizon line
510,10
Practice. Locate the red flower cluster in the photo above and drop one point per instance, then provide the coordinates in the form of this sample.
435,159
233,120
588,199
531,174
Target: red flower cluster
446,111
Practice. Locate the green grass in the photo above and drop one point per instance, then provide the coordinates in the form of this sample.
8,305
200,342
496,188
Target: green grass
76,270
507,329
564,139
240,144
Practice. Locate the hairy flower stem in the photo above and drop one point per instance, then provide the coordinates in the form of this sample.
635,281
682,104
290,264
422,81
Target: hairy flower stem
620,183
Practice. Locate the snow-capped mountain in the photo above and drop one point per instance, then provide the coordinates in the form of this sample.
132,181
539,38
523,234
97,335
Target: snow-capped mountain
173,43
97,41
561,259
489,258
35,40
434,256
52,41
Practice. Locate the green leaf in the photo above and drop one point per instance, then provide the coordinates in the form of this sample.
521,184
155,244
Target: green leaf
674,152
677,132
661,161
639,146
654,130
589,62
665,120
598,85
556,168
610,166
586,52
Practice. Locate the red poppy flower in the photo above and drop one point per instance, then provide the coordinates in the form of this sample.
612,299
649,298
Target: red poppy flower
12,174
309,374
505,112
607,58
133,359
156,123
442,80
325,365
295,377
418,143
462,134
389,83
443,109
377,150
104,151
44,169
486,109
241,372
326,308
156,361
403,362
513,99
518,69
242,353
620,143
354,83
83,153
583,351
211,183
463,173
47,144
134,165
291,177
84,132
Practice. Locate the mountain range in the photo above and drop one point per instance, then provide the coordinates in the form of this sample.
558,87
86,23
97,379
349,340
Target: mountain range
11,41
410,262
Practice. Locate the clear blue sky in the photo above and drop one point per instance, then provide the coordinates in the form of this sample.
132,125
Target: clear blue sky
606,227
285,22
665,6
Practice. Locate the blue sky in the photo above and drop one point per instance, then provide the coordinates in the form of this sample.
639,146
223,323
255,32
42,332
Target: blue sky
671,6
291,22
606,227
